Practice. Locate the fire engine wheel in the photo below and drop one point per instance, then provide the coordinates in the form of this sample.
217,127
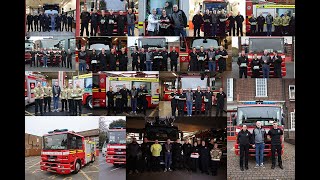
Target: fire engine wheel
77,168
89,102
93,158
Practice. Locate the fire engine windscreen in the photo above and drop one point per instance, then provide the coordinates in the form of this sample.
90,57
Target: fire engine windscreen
266,115
161,133
258,45
117,137
58,141
115,5
193,83
197,43
151,43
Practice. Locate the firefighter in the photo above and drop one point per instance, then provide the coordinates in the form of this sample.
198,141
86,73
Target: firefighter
102,57
222,59
259,136
222,23
197,21
153,22
135,59
204,153
41,21
142,96
215,154
36,22
211,59
77,98
201,56
111,19
156,149
113,57
186,149
134,95
156,59
208,100
142,58
207,22
133,151
167,155
93,60
57,59
82,59
121,20
177,162
194,157
94,19
276,134
64,97
103,23
165,24
232,27
63,58
146,155
38,96
211,144
124,93
45,57
277,60
244,139
214,20
181,102
174,102
239,19
253,24
265,61
243,64
123,60
64,21
69,58
47,95
193,60
174,56
110,96
85,18
47,22
33,57
58,22
292,25
277,22
164,63
220,102
179,20
118,102
30,20
51,56
70,99
198,100
285,24
148,61
269,22
260,21
131,20
39,53
52,21
56,91
255,66
69,21
189,101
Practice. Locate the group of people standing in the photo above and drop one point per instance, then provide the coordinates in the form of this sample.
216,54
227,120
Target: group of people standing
176,156
57,22
42,56
189,99
70,96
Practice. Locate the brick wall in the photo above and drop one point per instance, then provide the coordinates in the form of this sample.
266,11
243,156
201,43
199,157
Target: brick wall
290,106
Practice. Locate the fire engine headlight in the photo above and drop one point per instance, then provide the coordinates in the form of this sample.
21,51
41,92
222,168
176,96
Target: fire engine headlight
58,166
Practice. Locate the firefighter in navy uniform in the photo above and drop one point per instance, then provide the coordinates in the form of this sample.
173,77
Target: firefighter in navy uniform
243,139
38,96
125,93
174,102
187,149
276,134
243,64
33,57
174,56
64,21
142,97
63,58
121,20
111,19
239,19
94,19
93,60
39,54
207,22
255,66
41,21
69,21
110,96
220,102
36,22
195,157
142,57
204,157
102,57
135,59
165,28
113,57
156,59
208,99
47,22
198,100
164,63
85,18
123,60
277,60
58,22
146,155
103,23
222,59
201,56
232,20
51,56
30,20
181,102
193,60
177,161
118,96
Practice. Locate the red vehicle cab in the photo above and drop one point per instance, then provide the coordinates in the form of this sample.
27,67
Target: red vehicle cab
116,147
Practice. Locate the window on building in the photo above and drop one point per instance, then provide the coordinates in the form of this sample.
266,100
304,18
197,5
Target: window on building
261,87
292,92
230,89
293,120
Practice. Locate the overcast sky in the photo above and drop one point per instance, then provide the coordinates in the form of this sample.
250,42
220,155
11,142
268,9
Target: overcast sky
109,119
40,125
132,39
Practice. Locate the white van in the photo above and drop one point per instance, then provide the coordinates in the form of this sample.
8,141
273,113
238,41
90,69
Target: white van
104,149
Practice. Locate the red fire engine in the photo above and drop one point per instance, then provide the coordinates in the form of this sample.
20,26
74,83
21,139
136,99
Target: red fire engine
249,112
253,45
30,82
116,147
65,152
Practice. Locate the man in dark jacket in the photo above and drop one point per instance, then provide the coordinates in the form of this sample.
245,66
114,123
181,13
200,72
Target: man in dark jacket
36,22
259,136
214,21
208,99
135,59
64,21
58,22
174,56
142,57
232,20
164,63
85,18
292,25
174,101
207,24
63,58
244,139
253,24
113,57
197,20
121,20
69,21
276,134
176,155
111,19
110,96
260,21
94,18
277,60
179,21
198,100
30,20
204,157
186,149
102,60
41,20
220,102
255,66
125,93
123,60
239,19
243,64
146,155
181,102
103,23
133,151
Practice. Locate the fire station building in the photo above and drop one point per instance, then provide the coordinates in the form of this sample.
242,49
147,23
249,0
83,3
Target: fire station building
266,91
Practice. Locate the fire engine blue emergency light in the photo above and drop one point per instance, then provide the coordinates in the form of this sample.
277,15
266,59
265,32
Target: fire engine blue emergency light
259,102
